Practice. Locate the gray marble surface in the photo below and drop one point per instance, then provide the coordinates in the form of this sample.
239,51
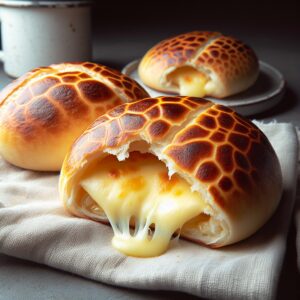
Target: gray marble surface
26,280
22,280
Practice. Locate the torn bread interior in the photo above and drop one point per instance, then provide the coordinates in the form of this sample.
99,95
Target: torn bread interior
200,63
160,168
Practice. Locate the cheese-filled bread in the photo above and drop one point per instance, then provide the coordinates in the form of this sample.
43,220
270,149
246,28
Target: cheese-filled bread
44,111
162,167
200,64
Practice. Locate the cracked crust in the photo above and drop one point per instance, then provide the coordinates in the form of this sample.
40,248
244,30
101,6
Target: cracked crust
42,112
231,65
223,156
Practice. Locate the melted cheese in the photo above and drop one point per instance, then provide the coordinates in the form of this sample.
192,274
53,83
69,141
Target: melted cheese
144,207
190,82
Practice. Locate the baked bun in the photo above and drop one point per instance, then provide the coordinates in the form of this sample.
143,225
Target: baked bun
170,165
44,111
200,64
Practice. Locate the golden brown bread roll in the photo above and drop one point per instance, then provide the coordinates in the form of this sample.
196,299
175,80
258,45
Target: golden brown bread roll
200,64
44,111
172,165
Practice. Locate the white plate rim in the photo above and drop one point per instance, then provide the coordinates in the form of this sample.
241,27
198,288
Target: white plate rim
132,66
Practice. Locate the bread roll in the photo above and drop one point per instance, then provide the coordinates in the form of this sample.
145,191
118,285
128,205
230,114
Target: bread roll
44,111
172,165
200,64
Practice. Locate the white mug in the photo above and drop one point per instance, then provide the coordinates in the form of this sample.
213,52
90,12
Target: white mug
40,33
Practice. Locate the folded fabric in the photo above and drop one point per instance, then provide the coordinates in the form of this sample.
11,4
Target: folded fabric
35,226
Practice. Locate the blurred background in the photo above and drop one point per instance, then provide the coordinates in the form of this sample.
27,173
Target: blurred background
123,31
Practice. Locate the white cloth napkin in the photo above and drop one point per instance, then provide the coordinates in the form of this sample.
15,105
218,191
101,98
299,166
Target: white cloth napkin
34,226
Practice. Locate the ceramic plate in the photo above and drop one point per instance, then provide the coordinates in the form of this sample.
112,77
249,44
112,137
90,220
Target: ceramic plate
263,95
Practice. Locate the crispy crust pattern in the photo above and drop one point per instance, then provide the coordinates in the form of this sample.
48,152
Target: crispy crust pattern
232,64
59,101
209,145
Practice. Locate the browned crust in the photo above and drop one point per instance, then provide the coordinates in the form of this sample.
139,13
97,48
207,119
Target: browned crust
232,62
59,101
232,169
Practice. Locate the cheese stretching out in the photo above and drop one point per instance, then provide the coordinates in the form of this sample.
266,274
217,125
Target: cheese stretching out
226,179
144,207
190,82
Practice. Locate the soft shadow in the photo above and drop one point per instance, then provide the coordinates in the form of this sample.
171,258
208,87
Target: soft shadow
110,63
289,280
287,103
263,83
268,233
